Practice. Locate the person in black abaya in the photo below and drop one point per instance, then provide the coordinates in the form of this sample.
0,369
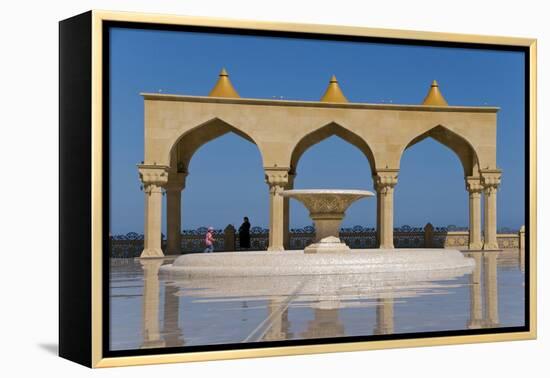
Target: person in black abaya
244,234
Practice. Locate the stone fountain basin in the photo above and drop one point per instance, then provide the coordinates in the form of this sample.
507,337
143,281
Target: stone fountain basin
356,261
327,208
324,201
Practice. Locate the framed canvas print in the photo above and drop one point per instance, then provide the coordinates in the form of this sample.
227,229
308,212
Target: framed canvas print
235,189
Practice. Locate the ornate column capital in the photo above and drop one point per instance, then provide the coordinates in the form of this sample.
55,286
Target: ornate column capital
385,180
473,184
153,176
277,179
490,178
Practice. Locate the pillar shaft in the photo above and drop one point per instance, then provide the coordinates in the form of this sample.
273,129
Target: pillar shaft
276,221
152,246
385,182
153,178
386,217
174,187
491,181
173,222
490,219
277,180
286,213
474,188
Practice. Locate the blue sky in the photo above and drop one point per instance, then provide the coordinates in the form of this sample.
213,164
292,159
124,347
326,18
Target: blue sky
226,180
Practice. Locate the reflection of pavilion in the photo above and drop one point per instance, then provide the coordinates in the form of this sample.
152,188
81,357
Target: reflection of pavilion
384,317
280,326
324,324
151,297
171,334
325,294
177,126
484,308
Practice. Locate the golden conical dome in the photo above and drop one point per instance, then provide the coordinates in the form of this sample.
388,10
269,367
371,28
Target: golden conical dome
223,87
434,96
333,92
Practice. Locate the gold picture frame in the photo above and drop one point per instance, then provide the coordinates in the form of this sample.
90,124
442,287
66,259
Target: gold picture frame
93,23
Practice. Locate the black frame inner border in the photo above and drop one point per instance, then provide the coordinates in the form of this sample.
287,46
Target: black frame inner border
107,25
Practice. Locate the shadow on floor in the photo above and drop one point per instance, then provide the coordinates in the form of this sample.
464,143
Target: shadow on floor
51,348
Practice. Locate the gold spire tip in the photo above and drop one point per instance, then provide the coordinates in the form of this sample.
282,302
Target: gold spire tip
334,92
223,87
434,96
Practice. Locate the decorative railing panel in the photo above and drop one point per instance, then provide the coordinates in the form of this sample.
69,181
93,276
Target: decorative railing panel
508,241
357,237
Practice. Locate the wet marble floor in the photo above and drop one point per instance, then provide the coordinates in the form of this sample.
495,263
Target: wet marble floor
150,311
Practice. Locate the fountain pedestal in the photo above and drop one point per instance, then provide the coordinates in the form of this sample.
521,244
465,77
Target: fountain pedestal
329,244
327,208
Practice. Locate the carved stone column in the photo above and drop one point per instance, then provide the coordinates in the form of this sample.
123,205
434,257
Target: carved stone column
277,180
174,186
286,212
384,182
153,177
474,188
491,182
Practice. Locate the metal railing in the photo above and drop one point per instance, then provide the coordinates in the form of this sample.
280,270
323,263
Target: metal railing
131,244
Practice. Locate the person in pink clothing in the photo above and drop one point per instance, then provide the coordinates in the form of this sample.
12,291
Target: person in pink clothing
209,240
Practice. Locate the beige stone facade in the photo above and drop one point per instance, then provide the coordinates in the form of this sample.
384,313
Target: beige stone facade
177,126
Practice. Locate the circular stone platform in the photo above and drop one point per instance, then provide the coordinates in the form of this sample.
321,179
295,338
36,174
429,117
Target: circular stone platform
289,263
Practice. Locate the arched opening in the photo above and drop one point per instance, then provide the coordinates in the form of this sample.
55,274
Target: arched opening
431,187
224,182
460,146
333,158
331,129
185,147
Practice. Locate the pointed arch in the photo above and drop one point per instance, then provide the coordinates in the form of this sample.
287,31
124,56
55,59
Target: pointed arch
462,148
331,129
187,144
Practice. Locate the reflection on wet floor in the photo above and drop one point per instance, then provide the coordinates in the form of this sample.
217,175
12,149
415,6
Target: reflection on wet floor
150,311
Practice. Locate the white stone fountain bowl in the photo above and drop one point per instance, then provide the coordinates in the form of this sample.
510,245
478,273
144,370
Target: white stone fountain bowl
287,263
327,200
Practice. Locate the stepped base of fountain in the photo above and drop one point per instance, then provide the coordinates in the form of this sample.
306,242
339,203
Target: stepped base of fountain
289,263
329,244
